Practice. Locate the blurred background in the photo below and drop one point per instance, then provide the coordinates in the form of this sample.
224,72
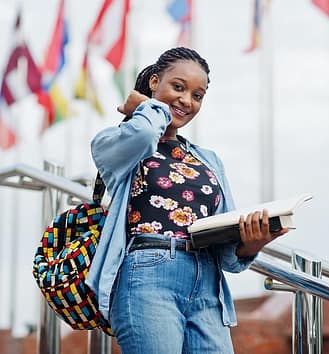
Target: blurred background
66,65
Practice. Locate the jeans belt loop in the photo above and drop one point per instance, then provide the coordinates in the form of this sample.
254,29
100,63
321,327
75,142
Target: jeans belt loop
172,247
132,239
188,246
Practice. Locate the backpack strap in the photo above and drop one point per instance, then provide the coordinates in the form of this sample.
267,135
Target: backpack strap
99,189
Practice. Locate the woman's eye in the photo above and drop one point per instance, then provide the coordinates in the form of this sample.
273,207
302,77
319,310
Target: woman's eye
178,87
198,97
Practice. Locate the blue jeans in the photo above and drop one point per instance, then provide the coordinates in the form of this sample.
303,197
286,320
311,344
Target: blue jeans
166,302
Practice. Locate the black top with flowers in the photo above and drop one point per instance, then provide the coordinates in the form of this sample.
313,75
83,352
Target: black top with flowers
177,190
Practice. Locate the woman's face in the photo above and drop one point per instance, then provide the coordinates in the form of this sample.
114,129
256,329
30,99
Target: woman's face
182,87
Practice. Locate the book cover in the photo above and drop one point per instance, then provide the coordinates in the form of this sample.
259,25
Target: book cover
223,228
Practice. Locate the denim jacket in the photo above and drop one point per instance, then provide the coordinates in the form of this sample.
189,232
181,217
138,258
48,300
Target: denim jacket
116,152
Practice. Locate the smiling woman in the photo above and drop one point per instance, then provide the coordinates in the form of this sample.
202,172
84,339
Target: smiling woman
160,295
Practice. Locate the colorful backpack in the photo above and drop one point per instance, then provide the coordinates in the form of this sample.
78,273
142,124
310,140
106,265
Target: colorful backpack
62,262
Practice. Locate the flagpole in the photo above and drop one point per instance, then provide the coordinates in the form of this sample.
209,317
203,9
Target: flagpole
193,44
129,57
266,105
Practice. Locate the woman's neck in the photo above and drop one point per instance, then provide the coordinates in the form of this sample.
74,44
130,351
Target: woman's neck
170,135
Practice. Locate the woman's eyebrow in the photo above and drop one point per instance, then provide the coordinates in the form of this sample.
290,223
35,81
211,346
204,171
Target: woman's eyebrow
184,81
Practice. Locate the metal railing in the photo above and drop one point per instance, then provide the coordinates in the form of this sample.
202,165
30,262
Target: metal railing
53,185
297,272
302,276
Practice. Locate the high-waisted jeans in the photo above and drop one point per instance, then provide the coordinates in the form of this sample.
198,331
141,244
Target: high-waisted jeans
166,302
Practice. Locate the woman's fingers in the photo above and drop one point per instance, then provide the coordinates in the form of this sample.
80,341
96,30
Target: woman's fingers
243,234
121,109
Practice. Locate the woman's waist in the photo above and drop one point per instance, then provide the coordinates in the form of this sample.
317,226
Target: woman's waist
151,240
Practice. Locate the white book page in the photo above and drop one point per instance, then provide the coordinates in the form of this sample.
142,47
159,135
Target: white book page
274,208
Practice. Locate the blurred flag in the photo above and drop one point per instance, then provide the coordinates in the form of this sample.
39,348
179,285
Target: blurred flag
7,134
109,31
51,97
55,59
21,75
107,37
323,5
181,12
256,27
85,88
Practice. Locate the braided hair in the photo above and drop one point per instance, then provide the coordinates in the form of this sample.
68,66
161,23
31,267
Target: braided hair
164,62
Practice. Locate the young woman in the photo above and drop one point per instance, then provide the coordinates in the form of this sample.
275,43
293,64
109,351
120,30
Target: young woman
160,295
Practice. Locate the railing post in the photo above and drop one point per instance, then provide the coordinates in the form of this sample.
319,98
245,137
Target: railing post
49,330
307,315
99,342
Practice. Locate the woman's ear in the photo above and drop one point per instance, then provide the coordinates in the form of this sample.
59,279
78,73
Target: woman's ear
154,82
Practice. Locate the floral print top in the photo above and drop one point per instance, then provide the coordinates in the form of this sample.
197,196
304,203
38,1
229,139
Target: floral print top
176,190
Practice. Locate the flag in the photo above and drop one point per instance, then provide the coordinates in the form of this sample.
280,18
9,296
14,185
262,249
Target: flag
109,33
108,37
51,97
322,5
256,27
7,134
181,12
55,59
85,88
21,75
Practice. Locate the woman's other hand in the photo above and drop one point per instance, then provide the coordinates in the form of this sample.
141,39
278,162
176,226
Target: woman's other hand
132,102
255,233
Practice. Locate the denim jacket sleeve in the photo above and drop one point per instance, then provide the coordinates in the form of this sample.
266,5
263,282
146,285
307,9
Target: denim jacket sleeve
117,150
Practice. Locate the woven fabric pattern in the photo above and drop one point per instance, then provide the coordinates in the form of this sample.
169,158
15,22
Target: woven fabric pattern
62,262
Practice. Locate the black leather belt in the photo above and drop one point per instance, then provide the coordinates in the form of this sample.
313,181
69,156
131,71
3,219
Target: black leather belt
141,243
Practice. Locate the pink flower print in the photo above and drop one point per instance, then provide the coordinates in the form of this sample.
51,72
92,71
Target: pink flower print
217,199
182,217
168,233
191,160
159,156
176,177
183,169
180,234
156,201
157,226
204,210
145,228
152,164
169,204
188,195
213,181
206,189
210,174
164,182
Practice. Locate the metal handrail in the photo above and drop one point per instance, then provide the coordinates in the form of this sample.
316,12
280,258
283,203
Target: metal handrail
282,252
28,177
266,265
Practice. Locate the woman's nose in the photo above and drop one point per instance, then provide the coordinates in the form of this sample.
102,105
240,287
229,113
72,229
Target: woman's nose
185,99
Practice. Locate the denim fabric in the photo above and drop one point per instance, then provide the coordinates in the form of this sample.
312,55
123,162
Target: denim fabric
166,301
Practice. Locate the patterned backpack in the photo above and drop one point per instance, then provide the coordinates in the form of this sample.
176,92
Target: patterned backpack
62,262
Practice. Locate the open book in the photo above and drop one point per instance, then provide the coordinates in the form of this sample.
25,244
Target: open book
223,228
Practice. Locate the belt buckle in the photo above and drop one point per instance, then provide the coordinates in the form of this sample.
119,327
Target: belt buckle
188,246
